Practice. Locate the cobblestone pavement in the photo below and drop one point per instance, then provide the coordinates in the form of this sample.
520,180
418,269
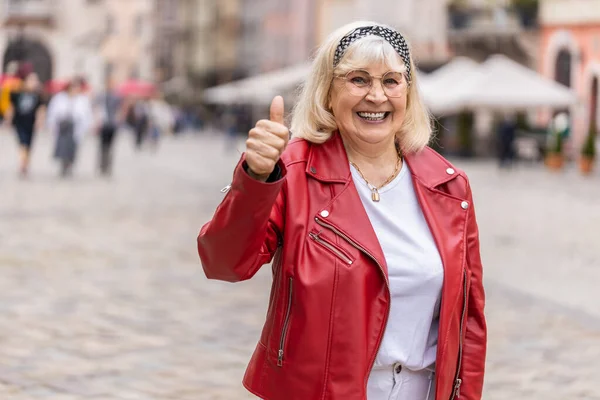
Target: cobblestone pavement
102,295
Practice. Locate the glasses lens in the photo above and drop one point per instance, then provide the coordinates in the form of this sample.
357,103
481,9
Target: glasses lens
358,82
392,84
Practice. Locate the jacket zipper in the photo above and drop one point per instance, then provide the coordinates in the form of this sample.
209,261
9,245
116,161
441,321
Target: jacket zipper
330,247
359,247
286,321
277,258
457,380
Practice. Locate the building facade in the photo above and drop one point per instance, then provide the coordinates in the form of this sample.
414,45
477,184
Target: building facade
128,33
570,54
423,22
67,38
198,40
219,41
284,35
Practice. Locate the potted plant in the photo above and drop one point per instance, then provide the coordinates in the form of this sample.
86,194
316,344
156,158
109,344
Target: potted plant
558,131
554,156
588,151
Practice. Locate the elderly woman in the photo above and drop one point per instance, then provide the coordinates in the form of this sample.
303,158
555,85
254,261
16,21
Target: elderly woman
377,290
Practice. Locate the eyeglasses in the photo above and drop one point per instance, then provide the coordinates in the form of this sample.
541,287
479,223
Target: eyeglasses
360,82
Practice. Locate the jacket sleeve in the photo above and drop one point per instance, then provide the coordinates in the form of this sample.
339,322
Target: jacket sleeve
474,349
245,230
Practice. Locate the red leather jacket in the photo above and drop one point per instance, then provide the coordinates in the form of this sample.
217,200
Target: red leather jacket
330,298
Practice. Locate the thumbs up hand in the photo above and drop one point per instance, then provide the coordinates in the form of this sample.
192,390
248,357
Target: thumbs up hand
266,141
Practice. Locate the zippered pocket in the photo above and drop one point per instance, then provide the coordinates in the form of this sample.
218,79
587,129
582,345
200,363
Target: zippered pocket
338,252
286,322
457,380
276,288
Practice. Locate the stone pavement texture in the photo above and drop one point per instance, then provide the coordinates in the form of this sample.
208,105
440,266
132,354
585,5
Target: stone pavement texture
102,295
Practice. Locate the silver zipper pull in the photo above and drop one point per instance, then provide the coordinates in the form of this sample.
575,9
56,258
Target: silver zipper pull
226,189
457,384
280,358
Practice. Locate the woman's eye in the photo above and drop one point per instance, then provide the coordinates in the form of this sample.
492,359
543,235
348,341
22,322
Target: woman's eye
357,80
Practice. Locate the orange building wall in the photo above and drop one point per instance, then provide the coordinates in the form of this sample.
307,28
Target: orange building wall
583,41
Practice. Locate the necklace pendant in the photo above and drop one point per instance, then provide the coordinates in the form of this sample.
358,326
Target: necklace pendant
375,195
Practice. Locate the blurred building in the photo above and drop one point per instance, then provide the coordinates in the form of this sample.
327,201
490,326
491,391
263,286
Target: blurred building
423,22
479,28
172,22
277,33
91,38
127,28
196,42
59,37
570,54
202,43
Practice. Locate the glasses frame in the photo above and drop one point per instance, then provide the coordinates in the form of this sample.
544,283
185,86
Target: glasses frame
373,78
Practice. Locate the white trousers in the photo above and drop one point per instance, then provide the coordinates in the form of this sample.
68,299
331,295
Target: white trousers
399,383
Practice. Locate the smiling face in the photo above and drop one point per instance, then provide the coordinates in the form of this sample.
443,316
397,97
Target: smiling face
370,118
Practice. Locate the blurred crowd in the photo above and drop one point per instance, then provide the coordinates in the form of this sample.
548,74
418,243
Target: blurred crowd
70,110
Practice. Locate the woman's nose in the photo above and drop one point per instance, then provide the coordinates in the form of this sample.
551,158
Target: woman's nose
376,92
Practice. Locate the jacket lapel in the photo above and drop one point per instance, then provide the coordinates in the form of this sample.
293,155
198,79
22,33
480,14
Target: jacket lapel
443,212
329,163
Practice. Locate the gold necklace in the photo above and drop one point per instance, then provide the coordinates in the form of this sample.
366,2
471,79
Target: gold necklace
375,189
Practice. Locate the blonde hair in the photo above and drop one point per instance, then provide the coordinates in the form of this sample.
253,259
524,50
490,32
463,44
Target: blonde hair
311,117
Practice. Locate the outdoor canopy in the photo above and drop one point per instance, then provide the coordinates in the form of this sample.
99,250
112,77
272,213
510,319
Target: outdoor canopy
439,88
259,88
497,84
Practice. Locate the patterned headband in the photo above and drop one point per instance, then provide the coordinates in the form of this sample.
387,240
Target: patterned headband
395,39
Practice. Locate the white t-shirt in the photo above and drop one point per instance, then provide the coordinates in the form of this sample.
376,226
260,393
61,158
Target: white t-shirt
414,268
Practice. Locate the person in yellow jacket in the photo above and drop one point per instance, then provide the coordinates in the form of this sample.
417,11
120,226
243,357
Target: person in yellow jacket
11,82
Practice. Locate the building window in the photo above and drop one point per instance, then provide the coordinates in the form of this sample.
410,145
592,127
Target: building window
110,25
562,72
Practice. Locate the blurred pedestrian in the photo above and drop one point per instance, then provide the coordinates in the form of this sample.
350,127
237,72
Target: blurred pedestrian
377,278
162,118
109,111
507,132
69,118
26,113
139,120
230,121
11,81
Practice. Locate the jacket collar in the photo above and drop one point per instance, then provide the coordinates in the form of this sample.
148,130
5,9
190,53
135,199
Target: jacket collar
328,162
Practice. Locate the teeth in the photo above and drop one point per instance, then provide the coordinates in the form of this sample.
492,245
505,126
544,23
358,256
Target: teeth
372,116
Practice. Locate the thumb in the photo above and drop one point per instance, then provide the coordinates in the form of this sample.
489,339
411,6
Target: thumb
277,109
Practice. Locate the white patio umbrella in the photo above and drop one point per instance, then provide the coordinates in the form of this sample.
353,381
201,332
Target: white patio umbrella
259,88
439,88
504,84
497,84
